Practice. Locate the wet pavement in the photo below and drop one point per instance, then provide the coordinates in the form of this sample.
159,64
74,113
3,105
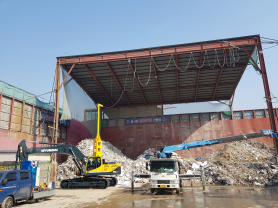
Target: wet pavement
214,196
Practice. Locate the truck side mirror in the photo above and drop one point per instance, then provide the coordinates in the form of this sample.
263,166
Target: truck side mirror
5,181
147,166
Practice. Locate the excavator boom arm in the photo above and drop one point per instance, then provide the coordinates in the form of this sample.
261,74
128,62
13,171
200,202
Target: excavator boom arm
23,152
166,153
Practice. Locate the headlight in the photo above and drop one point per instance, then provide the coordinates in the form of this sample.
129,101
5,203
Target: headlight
174,181
153,181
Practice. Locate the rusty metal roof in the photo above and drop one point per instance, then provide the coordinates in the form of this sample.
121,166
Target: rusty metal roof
213,73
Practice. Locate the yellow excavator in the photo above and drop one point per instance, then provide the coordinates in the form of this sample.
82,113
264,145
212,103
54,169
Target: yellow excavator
94,170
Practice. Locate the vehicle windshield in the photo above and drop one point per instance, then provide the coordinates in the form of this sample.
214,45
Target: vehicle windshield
93,163
163,166
1,174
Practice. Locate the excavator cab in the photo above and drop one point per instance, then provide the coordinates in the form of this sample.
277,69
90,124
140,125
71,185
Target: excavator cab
93,163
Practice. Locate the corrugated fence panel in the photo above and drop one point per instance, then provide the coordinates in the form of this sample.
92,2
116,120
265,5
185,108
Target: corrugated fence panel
121,122
185,118
215,116
226,117
205,117
112,122
36,121
175,118
248,114
238,115
17,116
5,112
26,118
44,129
260,113
195,117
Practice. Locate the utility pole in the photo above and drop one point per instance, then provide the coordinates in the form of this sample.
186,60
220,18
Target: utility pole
54,165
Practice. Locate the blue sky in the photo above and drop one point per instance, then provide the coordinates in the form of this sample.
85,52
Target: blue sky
34,33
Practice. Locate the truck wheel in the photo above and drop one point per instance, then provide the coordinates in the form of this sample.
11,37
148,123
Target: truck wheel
8,202
152,190
178,190
39,200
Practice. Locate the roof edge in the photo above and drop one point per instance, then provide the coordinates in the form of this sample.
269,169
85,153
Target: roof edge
160,47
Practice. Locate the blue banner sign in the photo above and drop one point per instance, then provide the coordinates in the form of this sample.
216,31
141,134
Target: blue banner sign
147,120
48,118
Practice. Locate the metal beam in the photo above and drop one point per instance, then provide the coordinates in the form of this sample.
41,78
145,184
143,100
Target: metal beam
75,79
157,81
219,75
182,101
267,93
137,82
66,76
174,88
250,57
99,84
198,76
157,52
240,75
177,73
113,74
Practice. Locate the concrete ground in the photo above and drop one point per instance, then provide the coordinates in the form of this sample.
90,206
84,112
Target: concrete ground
121,197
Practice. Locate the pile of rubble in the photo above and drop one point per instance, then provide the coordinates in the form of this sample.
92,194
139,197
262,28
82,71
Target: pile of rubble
243,163
67,170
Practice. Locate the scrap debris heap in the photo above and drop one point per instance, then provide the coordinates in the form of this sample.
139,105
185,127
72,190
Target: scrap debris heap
242,163
67,170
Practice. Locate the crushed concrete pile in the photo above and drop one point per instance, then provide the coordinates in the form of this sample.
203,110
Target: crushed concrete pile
244,151
67,170
243,163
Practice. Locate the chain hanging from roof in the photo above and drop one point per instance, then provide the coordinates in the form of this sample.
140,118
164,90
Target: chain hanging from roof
230,60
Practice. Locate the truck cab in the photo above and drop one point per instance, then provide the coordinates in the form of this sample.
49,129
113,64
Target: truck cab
15,185
164,174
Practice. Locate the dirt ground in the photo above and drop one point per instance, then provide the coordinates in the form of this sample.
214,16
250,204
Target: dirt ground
121,197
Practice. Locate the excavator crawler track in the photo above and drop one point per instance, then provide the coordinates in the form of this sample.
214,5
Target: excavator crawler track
112,180
85,183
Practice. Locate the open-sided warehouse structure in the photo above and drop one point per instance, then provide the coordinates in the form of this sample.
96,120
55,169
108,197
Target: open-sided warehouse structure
184,73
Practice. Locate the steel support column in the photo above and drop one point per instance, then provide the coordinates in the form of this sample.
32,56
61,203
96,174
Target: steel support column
112,72
267,92
198,76
224,60
138,82
157,81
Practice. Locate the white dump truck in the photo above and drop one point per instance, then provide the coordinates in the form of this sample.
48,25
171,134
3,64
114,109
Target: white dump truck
164,174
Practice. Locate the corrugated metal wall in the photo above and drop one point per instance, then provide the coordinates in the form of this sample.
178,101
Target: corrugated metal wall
133,140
